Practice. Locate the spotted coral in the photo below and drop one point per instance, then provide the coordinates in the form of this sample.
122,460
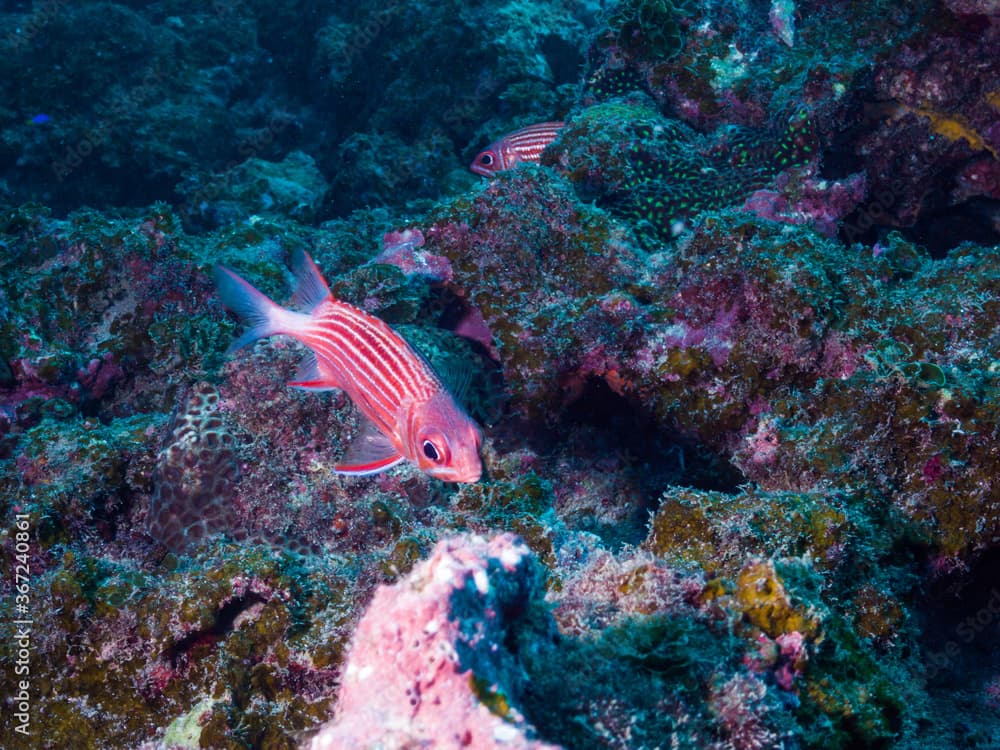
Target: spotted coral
659,172
196,474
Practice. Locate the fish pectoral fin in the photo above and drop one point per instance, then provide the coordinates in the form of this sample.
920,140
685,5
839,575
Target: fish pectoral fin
457,376
442,352
311,377
370,453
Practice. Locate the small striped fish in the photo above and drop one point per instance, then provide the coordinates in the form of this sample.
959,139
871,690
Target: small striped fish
522,145
410,414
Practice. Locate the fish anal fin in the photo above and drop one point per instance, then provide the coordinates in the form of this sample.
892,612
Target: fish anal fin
364,469
313,385
370,453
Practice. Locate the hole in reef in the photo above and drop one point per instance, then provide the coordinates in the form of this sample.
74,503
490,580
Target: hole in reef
840,157
976,220
622,459
961,633
938,229
960,640
564,59
108,510
223,624
620,427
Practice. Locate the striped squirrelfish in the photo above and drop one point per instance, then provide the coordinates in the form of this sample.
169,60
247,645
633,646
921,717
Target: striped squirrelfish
522,145
410,415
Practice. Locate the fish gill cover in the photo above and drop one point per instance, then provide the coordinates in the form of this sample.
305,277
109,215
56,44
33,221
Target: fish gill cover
731,338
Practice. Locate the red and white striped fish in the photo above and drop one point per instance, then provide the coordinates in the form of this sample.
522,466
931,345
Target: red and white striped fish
522,145
410,414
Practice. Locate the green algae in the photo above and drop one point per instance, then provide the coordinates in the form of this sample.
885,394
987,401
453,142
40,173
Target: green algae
718,530
520,504
147,647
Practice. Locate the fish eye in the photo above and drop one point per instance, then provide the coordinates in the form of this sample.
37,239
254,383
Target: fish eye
486,160
431,451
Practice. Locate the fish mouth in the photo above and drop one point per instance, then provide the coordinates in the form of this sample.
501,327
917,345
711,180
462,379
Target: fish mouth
480,170
465,476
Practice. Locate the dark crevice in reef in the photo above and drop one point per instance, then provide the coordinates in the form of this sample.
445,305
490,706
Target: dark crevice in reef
944,227
224,621
612,449
960,633
840,158
940,228
620,430
108,511
563,57
961,626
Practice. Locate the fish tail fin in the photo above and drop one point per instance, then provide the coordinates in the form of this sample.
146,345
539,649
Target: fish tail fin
263,316
310,287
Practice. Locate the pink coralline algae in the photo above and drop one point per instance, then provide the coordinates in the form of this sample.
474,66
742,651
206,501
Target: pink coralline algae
739,706
99,376
602,589
402,249
975,7
821,204
794,656
427,666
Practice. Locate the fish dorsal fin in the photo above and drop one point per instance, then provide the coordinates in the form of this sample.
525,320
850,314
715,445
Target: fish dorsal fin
310,287
311,377
370,453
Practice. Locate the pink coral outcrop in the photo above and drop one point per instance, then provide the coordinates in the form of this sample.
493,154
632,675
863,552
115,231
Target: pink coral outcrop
427,665
823,204
402,249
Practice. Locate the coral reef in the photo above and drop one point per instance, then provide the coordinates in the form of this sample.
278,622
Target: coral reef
732,344
937,122
429,661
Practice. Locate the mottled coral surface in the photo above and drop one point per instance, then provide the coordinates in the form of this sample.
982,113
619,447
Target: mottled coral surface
733,346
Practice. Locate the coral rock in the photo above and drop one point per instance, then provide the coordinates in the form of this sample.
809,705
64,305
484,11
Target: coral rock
428,663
